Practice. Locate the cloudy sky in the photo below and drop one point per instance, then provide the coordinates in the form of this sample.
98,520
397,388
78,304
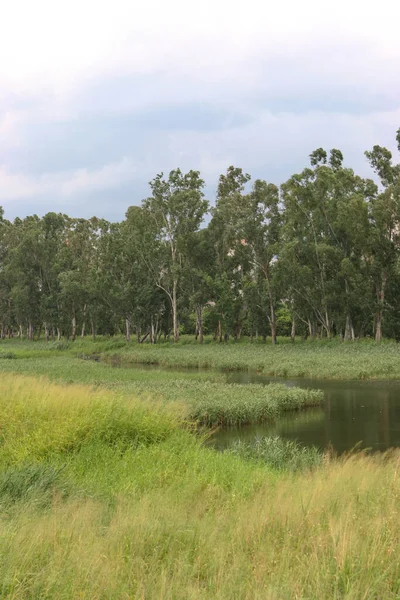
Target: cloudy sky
97,96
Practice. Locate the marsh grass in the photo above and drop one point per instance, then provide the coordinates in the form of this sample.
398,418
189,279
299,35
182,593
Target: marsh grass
278,453
38,419
203,397
363,359
235,404
145,511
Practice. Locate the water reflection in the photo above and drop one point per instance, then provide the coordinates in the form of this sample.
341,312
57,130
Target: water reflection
354,412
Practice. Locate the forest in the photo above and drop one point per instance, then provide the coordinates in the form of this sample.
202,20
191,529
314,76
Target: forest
318,256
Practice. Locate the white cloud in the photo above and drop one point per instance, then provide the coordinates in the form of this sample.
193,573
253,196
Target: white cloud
47,45
88,59
63,185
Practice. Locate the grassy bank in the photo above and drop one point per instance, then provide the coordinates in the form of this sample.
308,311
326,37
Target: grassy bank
103,496
320,359
204,397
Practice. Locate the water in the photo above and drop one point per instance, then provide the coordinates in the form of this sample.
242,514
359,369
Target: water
355,413
366,413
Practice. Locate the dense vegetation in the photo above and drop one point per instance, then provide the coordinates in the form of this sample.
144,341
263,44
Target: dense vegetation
318,256
318,360
205,398
117,499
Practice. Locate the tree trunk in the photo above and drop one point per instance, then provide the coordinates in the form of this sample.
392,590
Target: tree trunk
219,331
312,329
84,322
152,341
380,294
145,337
46,332
293,332
58,334
93,329
349,330
199,314
174,312
128,329
74,327
272,317
327,325
273,327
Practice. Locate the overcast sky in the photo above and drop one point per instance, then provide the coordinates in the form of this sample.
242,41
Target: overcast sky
97,97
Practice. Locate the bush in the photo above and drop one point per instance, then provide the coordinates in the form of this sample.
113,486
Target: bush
32,481
7,355
278,453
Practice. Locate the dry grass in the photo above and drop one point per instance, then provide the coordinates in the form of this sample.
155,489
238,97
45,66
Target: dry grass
171,519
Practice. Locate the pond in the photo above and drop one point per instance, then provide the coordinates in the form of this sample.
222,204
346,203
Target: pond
354,412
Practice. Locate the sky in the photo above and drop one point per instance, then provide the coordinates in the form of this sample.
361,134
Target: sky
97,97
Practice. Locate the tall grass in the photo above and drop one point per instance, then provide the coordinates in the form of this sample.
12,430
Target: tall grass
203,397
321,359
235,404
168,518
142,510
38,419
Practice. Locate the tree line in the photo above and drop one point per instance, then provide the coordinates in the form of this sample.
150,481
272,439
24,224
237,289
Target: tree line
318,256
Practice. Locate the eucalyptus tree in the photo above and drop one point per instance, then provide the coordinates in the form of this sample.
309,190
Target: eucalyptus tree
78,257
176,209
326,230
198,277
142,253
262,222
230,250
24,274
385,230
6,236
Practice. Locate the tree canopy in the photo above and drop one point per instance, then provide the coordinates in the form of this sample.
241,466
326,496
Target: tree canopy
317,256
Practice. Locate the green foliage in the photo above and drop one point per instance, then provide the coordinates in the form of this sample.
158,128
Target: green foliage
7,355
318,255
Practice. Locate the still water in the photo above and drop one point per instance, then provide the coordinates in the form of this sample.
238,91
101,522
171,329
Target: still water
354,412
365,414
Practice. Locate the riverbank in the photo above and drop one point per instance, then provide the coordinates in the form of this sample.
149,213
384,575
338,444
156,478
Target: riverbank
328,359
206,398
108,497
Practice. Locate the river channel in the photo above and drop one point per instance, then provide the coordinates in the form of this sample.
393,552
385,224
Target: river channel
364,413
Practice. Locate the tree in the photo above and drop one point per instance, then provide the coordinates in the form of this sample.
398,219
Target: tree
385,230
176,208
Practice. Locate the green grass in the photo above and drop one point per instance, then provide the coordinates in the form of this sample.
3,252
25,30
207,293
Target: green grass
139,508
38,420
278,454
235,404
204,397
363,359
